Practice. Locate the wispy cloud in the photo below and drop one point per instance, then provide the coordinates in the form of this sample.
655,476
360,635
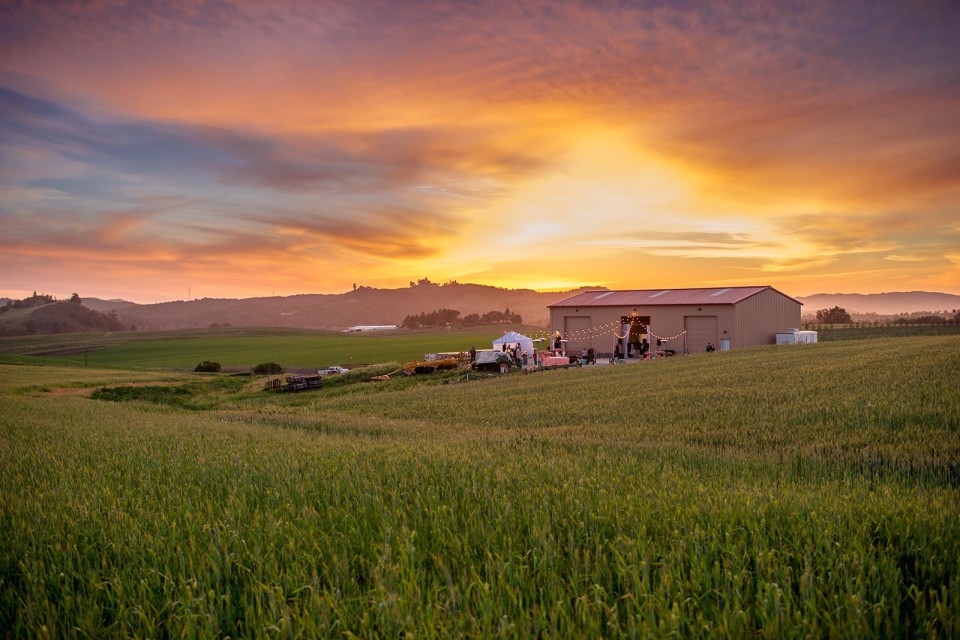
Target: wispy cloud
691,244
897,258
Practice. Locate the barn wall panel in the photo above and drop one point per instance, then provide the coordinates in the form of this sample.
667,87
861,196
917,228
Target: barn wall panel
760,317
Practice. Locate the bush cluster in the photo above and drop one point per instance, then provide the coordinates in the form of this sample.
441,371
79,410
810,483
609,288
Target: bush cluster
268,369
451,317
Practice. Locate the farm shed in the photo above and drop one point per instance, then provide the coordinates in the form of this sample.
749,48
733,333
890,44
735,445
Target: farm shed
684,320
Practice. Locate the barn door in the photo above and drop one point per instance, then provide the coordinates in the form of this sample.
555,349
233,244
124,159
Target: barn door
576,330
700,331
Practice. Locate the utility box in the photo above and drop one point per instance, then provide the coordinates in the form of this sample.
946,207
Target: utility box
787,337
795,336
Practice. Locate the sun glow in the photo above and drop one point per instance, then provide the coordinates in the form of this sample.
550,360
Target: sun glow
602,184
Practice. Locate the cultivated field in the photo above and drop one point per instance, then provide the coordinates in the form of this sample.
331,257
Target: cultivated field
239,348
829,333
792,491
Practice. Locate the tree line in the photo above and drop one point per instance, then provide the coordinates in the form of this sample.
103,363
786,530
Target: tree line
451,317
839,315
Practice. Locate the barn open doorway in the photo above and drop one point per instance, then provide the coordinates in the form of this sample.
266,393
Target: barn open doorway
635,340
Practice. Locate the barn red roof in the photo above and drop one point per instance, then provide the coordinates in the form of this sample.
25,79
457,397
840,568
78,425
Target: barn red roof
649,297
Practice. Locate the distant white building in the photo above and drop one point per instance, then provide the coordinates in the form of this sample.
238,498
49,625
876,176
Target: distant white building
371,327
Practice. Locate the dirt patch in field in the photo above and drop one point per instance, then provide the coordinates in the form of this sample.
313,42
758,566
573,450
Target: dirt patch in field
86,391
64,352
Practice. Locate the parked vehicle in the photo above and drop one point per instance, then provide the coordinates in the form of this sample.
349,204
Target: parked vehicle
494,361
329,371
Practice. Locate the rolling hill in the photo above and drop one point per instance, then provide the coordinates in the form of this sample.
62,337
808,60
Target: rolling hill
57,317
364,305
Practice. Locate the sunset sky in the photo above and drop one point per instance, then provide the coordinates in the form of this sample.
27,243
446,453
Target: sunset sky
154,151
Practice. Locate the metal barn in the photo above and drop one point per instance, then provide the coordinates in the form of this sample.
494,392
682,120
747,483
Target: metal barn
681,320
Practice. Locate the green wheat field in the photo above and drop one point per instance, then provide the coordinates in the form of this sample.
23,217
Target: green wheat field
784,492
239,347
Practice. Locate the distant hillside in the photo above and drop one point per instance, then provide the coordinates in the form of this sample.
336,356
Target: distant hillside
106,306
882,303
364,305
56,317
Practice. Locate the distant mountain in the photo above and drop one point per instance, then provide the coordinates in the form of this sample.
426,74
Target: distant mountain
362,306
882,303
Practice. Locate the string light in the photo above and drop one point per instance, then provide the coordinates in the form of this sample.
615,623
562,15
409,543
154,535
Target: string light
682,333
605,329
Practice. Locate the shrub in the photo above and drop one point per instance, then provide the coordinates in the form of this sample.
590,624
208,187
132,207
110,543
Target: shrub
268,368
175,396
208,367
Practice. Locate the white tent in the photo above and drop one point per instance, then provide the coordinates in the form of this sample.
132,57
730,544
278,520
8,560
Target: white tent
512,338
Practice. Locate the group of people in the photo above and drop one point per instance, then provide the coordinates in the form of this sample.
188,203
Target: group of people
634,349
518,354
